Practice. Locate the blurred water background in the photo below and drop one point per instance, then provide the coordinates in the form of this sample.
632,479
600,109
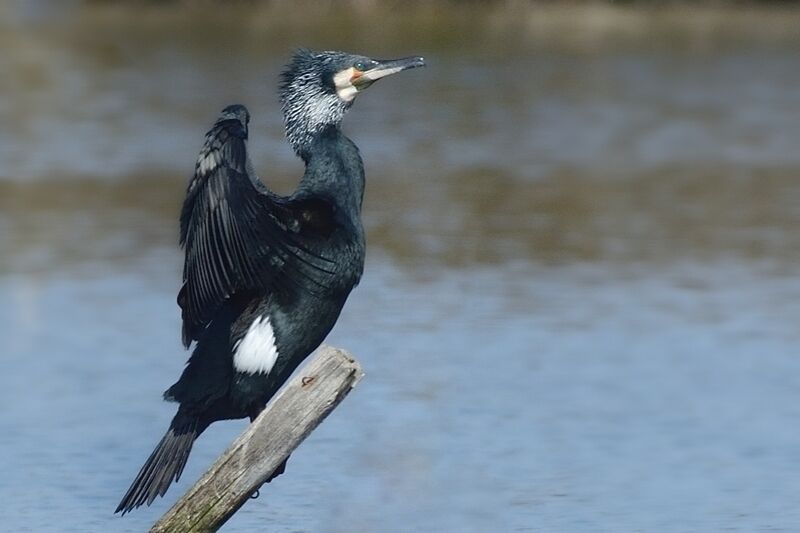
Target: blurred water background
580,307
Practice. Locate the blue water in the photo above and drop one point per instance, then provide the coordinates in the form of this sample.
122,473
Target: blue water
512,399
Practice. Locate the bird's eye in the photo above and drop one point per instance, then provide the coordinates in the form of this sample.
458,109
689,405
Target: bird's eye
360,65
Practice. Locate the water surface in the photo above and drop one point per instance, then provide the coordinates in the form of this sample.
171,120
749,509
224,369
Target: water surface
579,311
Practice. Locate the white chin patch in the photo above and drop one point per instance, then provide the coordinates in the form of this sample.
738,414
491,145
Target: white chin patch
344,87
256,352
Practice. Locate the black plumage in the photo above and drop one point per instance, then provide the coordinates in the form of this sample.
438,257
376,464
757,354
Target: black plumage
265,276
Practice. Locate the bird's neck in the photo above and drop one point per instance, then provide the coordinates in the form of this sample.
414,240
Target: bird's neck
308,114
334,169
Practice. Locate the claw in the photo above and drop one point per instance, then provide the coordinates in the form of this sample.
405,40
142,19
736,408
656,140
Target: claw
278,471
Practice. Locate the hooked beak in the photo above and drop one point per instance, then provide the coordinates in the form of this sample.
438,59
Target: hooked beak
386,68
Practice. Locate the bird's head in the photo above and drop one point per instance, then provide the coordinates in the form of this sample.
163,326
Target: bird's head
317,88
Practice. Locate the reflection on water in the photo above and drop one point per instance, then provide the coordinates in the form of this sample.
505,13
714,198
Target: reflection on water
579,310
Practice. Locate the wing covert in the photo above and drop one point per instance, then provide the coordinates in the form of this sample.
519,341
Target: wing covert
237,236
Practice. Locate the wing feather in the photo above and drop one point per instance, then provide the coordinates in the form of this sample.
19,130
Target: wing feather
238,237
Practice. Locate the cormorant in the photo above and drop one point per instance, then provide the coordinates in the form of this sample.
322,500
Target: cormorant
265,276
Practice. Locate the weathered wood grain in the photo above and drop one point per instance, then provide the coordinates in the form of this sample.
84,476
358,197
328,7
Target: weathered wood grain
314,391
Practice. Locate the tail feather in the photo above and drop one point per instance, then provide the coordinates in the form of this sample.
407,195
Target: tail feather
164,465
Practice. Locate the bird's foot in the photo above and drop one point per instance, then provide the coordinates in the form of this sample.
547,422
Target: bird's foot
278,471
254,411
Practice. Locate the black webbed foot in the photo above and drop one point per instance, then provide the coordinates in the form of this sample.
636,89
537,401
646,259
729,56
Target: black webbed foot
278,471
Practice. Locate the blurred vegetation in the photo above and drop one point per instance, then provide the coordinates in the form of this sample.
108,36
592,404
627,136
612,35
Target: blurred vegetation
401,3
513,5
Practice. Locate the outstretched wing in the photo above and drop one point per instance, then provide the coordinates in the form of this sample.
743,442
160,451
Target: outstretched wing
238,236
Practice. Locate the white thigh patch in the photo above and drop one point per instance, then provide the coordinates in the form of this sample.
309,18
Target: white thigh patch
256,351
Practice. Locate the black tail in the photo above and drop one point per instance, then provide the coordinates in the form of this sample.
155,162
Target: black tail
164,464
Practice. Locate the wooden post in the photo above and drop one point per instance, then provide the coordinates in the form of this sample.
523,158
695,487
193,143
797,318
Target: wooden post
290,416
